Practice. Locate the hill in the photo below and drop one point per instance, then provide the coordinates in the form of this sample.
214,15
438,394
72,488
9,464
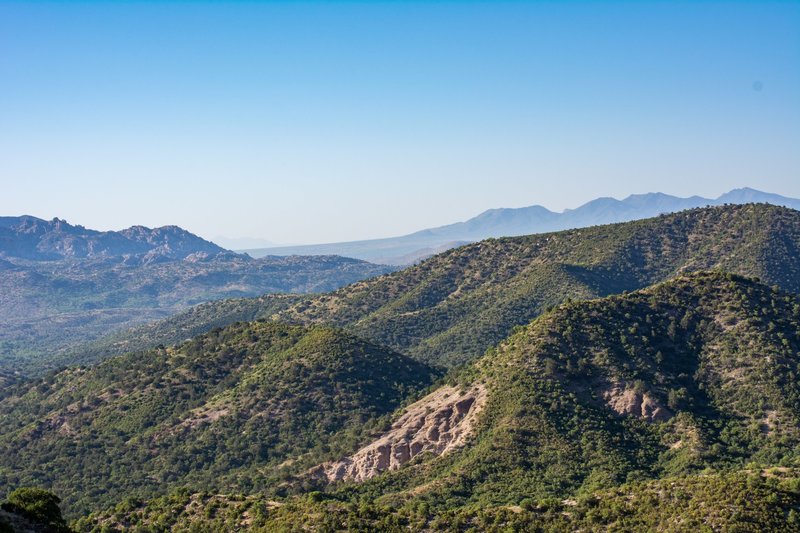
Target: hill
508,222
452,307
693,374
672,407
237,407
48,307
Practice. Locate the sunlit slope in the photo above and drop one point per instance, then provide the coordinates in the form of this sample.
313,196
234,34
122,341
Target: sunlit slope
229,409
454,306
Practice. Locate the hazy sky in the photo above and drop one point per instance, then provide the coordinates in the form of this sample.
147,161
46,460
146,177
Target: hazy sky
315,122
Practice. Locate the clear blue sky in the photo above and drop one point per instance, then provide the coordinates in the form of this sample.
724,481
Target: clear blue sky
315,122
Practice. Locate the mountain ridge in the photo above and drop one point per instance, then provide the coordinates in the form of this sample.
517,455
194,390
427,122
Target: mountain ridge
510,222
574,398
32,238
452,307
563,439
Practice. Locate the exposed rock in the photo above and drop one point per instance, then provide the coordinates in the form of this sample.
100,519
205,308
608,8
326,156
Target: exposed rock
439,423
625,400
769,422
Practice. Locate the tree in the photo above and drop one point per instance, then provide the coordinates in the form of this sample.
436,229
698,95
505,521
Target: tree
39,506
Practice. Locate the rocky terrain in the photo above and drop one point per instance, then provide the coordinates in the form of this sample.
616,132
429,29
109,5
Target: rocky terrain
671,406
672,401
439,423
32,238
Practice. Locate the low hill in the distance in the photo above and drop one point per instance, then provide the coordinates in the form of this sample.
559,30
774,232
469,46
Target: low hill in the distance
452,307
509,222
62,285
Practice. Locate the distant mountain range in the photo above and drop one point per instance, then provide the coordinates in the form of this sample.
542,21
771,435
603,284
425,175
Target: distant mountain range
507,222
63,283
28,237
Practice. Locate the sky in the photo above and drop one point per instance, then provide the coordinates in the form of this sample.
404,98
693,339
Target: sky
309,122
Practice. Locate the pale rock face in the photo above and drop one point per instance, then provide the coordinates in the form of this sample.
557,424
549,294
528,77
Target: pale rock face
439,423
626,401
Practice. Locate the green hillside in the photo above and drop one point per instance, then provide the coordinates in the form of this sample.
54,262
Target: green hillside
452,307
235,407
180,327
739,501
693,374
675,407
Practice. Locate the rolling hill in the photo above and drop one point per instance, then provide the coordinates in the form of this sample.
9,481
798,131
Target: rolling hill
672,407
236,407
452,307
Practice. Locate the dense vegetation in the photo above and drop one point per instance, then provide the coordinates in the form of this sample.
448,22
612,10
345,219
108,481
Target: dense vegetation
671,407
237,407
739,501
693,374
452,307
32,509
49,307
675,406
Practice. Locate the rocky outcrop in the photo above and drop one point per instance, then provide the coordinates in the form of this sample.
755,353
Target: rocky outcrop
626,400
439,423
